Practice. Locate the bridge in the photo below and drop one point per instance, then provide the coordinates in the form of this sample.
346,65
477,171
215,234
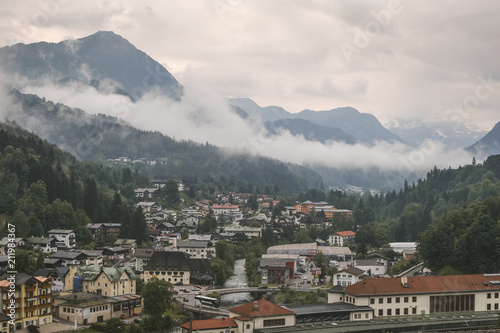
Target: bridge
227,291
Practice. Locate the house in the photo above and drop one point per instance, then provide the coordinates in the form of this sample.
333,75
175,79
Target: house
95,257
71,258
147,192
372,266
227,325
99,230
56,275
196,248
4,244
142,257
201,272
107,281
341,238
348,276
189,224
114,253
47,245
250,232
126,243
87,308
65,238
261,314
311,249
422,295
33,295
231,212
276,270
165,227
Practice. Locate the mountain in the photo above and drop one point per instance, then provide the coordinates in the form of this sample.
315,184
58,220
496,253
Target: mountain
264,114
489,144
100,138
310,131
364,127
414,132
101,60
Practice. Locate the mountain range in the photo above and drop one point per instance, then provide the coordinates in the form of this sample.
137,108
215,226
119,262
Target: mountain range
112,65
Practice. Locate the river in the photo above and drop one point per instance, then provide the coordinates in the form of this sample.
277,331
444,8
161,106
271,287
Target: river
238,280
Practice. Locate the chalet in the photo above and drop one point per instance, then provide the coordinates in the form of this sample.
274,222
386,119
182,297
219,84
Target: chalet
69,258
66,239
56,275
4,244
196,248
95,257
99,230
107,281
46,245
147,192
261,314
348,276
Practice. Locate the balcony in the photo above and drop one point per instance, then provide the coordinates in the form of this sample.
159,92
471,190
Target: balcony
43,306
30,288
44,296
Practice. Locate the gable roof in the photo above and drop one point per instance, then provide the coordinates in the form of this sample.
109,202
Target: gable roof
346,233
261,308
353,271
426,284
210,324
92,272
168,261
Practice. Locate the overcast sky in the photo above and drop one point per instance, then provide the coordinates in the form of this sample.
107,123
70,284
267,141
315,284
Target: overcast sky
411,59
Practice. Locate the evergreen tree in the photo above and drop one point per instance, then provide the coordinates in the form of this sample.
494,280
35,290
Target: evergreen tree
90,202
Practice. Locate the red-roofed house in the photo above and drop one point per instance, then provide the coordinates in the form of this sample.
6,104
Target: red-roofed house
261,314
342,237
211,326
423,294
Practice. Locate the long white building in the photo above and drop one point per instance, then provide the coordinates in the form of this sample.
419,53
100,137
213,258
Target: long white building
423,294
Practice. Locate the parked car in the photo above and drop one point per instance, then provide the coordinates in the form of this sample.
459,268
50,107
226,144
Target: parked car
126,322
263,287
185,299
137,320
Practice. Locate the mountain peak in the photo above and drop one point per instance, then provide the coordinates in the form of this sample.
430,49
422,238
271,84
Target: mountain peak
105,55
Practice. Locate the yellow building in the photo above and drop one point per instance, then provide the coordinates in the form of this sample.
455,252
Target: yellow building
107,281
27,300
89,308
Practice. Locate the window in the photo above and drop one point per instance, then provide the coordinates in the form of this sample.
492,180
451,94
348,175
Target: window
406,299
397,312
397,300
274,322
488,295
103,277
366,315
381,301
488,306
248,326
405,311
98,284
389,312
105,285
414,299
380,312
496,306
372,300
389,300
496,295
414,311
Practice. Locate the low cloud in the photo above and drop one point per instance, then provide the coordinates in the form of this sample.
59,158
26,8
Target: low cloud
203,116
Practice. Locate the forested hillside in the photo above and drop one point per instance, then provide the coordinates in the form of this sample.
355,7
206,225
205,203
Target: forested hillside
42,188
453,213
101,137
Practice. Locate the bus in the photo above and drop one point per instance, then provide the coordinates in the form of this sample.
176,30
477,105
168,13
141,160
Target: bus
209,301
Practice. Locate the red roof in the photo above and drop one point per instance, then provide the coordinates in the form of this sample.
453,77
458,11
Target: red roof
261,308
210,324
346,233
425,284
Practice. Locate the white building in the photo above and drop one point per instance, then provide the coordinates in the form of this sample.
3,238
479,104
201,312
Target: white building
196,248
348,276
423,294
65,238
